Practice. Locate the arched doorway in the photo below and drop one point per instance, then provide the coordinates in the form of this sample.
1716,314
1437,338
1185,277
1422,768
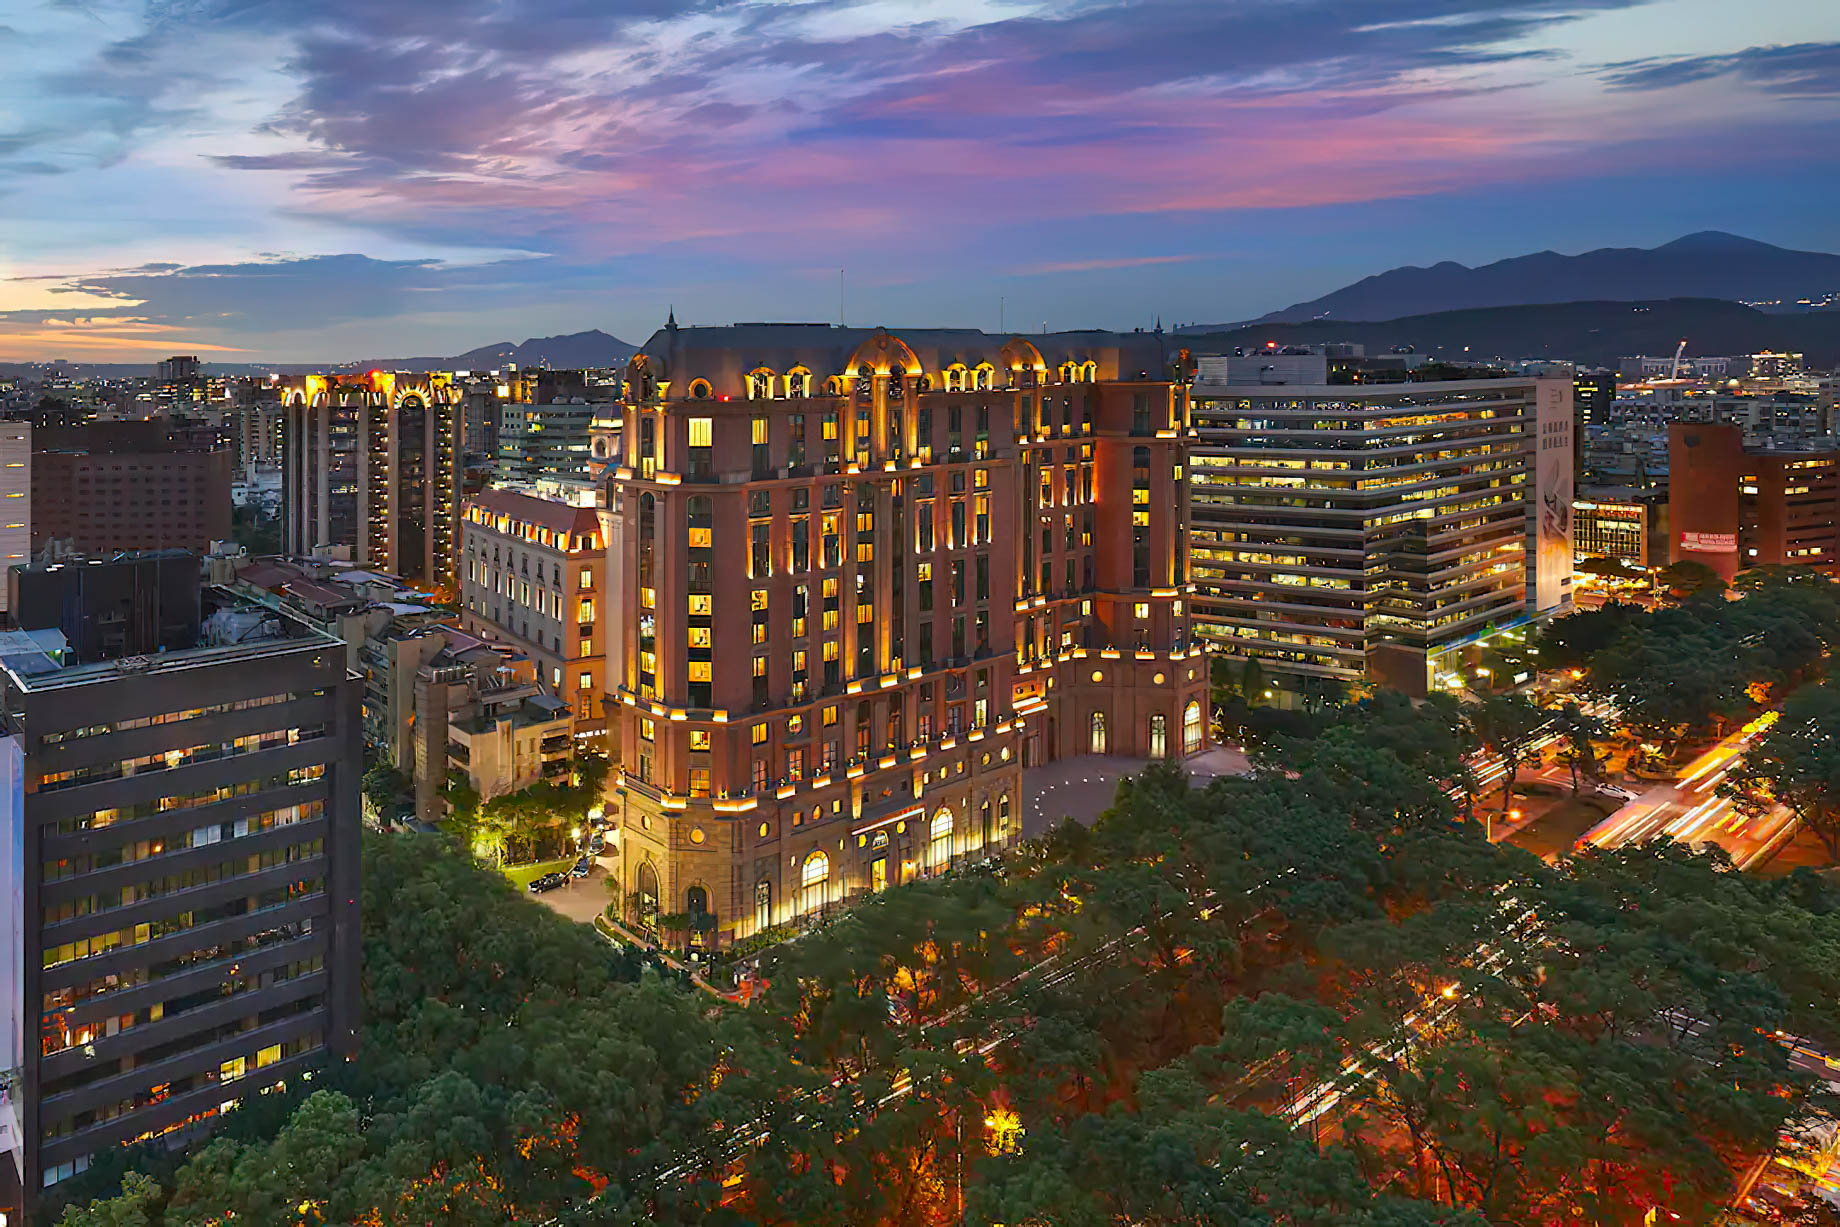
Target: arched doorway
645,892
1096,735
1159,736
1191,727
702,920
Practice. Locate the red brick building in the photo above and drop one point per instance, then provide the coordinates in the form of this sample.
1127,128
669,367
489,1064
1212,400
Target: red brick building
112,486
1734,508
859,580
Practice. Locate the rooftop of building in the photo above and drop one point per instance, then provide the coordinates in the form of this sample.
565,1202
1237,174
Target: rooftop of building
330,586
1621,494
530,508
726,354
233,629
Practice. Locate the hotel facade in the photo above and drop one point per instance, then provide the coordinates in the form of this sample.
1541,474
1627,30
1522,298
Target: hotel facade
858,581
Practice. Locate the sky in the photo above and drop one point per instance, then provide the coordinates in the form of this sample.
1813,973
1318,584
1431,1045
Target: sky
334,180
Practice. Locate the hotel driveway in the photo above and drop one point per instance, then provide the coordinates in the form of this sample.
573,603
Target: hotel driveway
1082,788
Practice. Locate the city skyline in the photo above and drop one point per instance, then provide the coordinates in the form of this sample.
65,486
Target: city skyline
333,181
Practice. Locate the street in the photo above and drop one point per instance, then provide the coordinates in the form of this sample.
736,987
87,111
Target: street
1689,809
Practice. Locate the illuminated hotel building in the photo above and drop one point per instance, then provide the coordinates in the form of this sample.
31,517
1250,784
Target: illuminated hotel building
858,581
1379,530
372,465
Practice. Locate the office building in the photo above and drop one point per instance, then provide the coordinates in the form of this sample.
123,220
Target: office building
180,368
183,864
126,486
1621,523
1357,530
373,467
1734,507
15,499
532,573
1777,367
857,580
547,440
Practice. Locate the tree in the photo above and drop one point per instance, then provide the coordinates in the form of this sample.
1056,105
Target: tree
129,1208
1508,725
383,787
1689,578
1797,764
1579,730
1575,640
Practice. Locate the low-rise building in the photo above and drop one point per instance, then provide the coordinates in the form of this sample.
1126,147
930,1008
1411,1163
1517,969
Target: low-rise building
479,710
532,575
1621,523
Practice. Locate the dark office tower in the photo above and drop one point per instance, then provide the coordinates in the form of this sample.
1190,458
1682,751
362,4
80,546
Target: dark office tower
108,609
181,859
372,465
114,486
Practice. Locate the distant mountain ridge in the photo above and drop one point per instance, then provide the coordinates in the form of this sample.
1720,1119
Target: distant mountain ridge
569,352
1594,333
1708,264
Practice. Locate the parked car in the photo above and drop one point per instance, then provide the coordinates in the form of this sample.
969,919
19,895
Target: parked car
582,867
549,881
596,844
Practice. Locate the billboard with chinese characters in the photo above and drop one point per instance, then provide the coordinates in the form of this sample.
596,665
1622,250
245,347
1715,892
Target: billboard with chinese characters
1709,543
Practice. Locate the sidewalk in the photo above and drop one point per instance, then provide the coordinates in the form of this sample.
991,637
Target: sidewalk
615,932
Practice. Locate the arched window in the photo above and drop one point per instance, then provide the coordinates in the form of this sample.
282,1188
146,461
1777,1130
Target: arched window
760,385
1003,814
956,377
1191,727
939,848
983,376
1089,373
696,902
1096,742
763,905
1069,372
798,382
1159,736
700,389
813,875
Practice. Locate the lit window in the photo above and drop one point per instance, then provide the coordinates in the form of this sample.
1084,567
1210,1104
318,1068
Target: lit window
1141,609
700,431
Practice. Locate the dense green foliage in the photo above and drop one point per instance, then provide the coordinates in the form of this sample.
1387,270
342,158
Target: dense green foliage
1311,996
1689,668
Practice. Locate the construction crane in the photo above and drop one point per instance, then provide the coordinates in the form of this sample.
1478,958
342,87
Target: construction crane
1679,351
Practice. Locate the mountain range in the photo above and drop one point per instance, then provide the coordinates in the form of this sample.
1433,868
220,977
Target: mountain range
1709,264
1594,333
576,350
